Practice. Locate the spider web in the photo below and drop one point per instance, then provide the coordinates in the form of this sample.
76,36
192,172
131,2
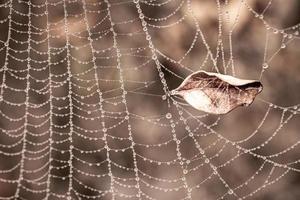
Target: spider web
86,111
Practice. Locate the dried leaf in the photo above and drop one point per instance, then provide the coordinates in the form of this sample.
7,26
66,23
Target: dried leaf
217,93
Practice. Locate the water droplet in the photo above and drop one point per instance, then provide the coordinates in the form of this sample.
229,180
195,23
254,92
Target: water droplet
230,191
168,115
173,92
283,46
265,66
164,97
246,151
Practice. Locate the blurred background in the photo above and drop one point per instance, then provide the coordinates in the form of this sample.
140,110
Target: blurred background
85,111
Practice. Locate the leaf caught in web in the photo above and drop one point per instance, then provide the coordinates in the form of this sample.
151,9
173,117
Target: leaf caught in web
217,93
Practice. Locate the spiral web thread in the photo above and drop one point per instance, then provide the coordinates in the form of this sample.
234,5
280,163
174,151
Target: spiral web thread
86,112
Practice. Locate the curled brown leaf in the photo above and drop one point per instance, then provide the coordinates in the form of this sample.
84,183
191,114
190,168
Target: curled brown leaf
217,93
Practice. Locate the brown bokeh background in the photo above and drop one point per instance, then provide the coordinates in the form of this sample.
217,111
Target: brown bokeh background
241,36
